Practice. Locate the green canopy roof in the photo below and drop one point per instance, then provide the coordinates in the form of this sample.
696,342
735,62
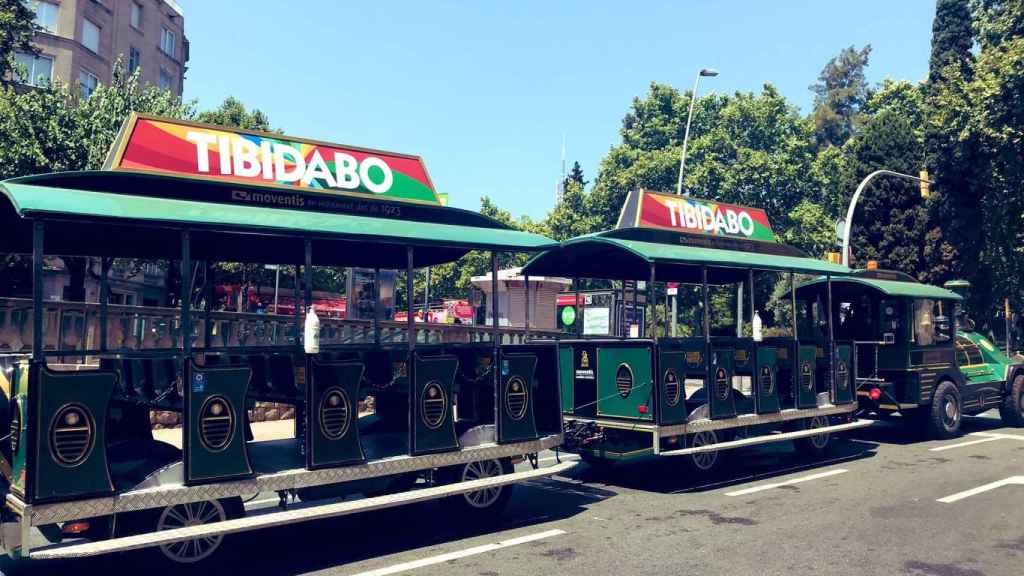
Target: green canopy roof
894,287
360,237
602,256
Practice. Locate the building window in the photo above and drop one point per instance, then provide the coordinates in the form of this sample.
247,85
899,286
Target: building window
46,15
168,42
136,16
38,69
91,36
166,81
134,58
87,82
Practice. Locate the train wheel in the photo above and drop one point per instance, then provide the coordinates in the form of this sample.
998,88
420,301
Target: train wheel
814,446
480,504
1012,408
198,551
942,418
706,462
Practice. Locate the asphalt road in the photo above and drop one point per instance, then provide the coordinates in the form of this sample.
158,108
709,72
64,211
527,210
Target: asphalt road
872,507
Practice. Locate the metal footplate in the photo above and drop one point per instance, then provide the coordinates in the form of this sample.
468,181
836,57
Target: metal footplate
298,514
769,438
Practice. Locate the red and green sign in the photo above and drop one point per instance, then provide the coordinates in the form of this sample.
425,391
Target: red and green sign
706,217
150,144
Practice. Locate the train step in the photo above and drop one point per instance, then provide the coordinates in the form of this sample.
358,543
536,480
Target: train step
769,438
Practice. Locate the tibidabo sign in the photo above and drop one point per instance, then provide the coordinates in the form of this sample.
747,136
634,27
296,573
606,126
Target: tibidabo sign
151,144
685,214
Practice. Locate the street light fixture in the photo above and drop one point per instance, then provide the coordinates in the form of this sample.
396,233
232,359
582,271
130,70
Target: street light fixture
707,73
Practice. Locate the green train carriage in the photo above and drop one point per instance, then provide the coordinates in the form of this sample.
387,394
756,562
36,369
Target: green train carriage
723,386
454,407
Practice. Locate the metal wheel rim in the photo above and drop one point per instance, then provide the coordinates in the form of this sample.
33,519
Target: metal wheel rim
704,461
819,441
191,514
476,471
950,411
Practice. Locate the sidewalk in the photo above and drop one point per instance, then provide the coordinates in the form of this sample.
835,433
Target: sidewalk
272,430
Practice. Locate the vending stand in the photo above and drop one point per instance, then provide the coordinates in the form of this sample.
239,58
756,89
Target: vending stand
729,382
82,472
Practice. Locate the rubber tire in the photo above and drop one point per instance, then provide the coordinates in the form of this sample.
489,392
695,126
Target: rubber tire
145,521
460,508
806,447
933,416
1012,408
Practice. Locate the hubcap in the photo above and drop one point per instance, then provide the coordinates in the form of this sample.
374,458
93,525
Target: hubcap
483,469
819,440
186,515
704,461
951,412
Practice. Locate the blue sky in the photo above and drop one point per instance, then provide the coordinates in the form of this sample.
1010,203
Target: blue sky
485,90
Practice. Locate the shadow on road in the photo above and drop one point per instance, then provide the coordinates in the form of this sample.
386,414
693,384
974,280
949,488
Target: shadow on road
333,543
898,431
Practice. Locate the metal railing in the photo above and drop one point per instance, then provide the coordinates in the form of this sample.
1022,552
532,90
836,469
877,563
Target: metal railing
74,328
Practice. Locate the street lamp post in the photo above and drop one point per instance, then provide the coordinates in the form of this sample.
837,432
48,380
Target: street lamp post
856,196
709,72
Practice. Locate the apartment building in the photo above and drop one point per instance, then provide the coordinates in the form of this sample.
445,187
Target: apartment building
80,41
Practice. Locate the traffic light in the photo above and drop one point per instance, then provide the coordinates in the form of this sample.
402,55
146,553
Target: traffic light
924,184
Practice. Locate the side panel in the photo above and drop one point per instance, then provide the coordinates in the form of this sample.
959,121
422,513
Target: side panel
806,377
624,378
722,403
766,382
565,367
433,428
67,433
215,401
843,393
332,397
516,397
672,380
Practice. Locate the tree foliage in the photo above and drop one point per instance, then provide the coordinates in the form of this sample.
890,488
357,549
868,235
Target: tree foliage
17,27
839,93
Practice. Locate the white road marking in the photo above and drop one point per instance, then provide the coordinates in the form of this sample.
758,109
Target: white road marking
962,444
1001,435
981,489
787,482
441,558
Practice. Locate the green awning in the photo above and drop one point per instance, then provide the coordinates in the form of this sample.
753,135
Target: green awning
597,256
357,232
894,287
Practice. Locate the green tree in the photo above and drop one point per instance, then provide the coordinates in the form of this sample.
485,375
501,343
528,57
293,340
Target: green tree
575,176
232,112
952,39
17,27
839,93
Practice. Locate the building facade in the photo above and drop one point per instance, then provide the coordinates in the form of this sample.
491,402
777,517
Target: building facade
81,40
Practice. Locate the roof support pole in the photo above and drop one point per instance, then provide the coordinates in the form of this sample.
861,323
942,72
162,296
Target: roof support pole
104,300
208,293
307,273
831,333
376,306
38,231
704,295
750,283
653,317
186,296
792,304
495,339
526,308
410,304
579,309
297,309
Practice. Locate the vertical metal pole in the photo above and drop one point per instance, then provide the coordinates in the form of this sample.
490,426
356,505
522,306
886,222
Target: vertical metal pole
410,304
38,229
494,298
579,308
376,305
307,273
186,296
496,354
426,297
104,300
632,318
750,280
650,306
831,334
526,311
297,309
209,293
707,315
792,302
